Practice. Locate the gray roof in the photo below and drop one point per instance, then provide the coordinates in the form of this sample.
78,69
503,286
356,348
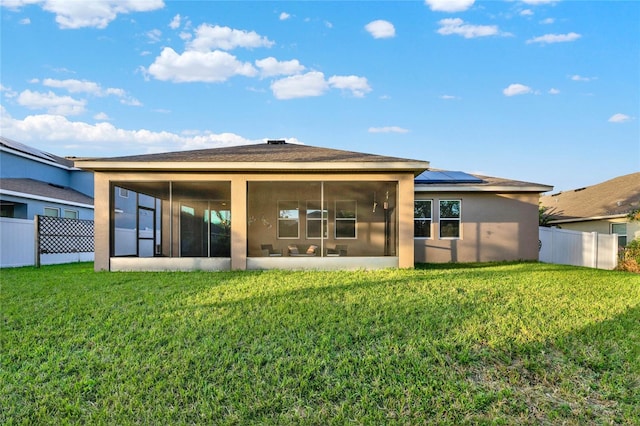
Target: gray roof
34,152
615,197
44,189
258,153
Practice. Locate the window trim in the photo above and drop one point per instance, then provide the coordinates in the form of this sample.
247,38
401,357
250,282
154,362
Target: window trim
280,219
324,220
625,235
423,219
458,219
75,212
345,219
57,209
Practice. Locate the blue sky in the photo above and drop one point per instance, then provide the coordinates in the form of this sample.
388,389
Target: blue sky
538,90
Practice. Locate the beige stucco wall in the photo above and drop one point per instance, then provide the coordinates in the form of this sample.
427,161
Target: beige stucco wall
238,183
494,227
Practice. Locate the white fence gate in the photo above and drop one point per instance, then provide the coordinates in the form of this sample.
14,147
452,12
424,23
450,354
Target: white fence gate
578,248
18,246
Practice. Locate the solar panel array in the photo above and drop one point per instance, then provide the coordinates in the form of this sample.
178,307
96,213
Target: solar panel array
446,176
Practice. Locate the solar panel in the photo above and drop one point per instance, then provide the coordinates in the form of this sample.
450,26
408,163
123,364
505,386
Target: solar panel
446,176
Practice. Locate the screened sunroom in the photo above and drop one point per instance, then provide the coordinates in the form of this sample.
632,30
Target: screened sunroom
289,207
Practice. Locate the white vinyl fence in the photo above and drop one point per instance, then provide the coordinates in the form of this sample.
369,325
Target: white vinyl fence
18,247
578,248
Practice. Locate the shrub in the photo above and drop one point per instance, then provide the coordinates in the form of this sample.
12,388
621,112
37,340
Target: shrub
629,257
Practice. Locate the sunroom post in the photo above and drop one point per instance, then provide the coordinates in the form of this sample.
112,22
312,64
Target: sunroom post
238,223
102,222
405,221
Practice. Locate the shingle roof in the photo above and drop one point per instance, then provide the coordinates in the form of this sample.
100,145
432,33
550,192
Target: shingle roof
285,154
615,197
44,189
258,153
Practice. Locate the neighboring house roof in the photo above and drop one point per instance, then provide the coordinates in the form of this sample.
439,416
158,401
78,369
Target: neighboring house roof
614,198
35,189
436,180
33,153
272,156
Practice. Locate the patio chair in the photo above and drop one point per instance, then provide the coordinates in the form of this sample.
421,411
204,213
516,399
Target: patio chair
268,250
339,250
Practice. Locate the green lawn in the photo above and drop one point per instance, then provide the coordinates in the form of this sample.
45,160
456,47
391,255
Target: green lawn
500,343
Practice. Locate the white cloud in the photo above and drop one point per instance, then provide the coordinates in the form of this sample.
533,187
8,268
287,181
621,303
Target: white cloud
313,83
284,16
73,14
457,26
449,5
548,21
216,37
554,91
192,66
101,116
102,139
271,67
526,12
300,86
154,35
555,38
577,77
381,29
74,86
388,129
175,22
619,118
517,89
448,97
25,21
359,86
52,103
91,88
537,2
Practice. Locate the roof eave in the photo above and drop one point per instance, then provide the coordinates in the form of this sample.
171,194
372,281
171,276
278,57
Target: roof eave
412,166
481,188
585,219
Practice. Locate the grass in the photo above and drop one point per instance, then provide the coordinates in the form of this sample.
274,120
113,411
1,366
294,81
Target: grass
522,343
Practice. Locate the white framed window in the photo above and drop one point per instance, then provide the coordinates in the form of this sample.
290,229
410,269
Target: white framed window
621,230
71,214
449,215
422,218
346,219
288,220
317,220
52,211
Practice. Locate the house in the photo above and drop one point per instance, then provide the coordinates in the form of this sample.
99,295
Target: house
602,208
281,205
33,182
473,218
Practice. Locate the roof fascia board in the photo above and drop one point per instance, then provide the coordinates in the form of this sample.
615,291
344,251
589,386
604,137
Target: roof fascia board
586,219
47,199
478,188
35,158
412,166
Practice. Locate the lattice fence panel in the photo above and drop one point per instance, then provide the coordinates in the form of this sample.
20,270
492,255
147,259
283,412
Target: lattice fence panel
62,235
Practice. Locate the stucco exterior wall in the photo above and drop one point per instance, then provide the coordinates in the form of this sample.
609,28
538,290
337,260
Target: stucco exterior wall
494,227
